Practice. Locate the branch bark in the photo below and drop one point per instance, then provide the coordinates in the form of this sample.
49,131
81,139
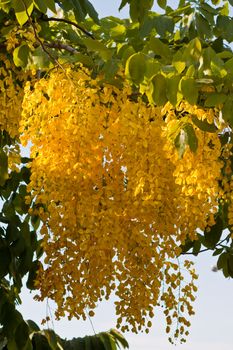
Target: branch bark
60,46
83,30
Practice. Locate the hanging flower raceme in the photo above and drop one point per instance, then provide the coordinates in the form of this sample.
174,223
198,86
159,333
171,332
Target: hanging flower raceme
115,199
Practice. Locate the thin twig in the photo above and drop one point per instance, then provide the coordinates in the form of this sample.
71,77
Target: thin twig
60,46
48,19
38,38
206,249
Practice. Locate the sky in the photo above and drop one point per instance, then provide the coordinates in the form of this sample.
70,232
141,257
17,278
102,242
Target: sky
212,324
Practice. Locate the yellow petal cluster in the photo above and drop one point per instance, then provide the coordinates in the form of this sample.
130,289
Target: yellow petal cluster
115,199
11,96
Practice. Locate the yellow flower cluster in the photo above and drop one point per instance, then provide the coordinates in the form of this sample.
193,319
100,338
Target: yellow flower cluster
115,199
197,174
11,96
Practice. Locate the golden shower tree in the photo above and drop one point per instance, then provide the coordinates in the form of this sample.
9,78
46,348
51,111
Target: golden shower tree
130,127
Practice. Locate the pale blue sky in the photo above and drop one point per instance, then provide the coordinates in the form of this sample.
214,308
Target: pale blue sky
211,326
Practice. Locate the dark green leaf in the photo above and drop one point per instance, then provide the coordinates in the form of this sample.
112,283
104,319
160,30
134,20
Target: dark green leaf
119,338
218,251
204,125
164,24
5,259
32,275
222,261
172,85
33,327
215,99
123,3
98,46
230,265
40,342
22,335
3,167
159,48
213,236
227,110
203,27
191,137
90,10
196,247
189,89
139,9
162,3
108,341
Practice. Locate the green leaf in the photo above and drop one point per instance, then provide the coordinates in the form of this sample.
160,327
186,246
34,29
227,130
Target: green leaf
22,335
5,259
230,265
118,31
139,9
25,261
225,25
44,6
3,167
203,27
135,67
90,10
222,261
52,338
162,3
152,68
187,245
32,275
23,9
41,6
119,338
18,246
189,89
21,55
158,90
40,341
164,24
12,318
108,341
217,67
51,5
218,251
227,110
88,344
215,99
159,48
213,236
123,4
172,89
204,125
33,327
79,10
12,233
98,46
196,247
179,66
191,137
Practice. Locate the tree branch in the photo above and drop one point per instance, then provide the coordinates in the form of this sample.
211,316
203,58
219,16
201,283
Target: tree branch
206,249
48,19
60,46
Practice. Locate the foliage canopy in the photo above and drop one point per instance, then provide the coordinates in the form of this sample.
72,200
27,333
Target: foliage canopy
130,122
